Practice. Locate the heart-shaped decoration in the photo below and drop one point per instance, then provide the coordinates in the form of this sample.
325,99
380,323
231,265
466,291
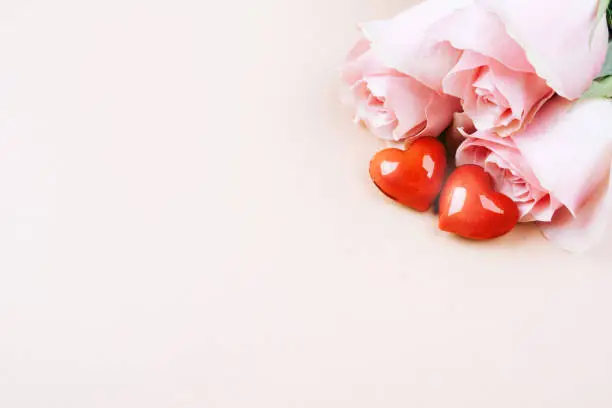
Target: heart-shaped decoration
470,208
412,177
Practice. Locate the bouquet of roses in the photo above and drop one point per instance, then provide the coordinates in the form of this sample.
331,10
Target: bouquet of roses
503,110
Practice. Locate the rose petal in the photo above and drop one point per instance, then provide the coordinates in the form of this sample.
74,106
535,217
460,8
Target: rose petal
419,110
580,232
406,98
558,38
524,93
476,29
392,105
362,62
463,74
405,42
368,111
569,148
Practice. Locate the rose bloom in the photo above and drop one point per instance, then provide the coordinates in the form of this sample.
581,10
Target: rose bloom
393,106
495,55
494,96
557,170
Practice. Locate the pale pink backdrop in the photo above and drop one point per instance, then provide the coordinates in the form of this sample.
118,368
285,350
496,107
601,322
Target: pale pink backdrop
186,220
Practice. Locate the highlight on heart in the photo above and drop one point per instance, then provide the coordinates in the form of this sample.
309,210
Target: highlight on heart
503,109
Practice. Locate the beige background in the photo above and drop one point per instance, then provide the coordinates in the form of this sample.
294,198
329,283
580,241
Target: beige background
186,221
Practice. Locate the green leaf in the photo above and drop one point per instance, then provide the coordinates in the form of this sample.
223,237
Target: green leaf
601,88
601,9
607,67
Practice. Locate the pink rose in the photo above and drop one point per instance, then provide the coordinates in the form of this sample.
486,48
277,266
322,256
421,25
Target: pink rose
511,173
503,58
392,105
557,170
496,97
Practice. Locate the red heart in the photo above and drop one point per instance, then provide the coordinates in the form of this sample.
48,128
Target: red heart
412,177
470,208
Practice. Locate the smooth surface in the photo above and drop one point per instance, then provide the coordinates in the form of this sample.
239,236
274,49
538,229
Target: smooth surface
186,220
471,208
412,177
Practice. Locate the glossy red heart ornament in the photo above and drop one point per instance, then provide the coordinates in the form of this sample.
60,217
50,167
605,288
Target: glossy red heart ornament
470,208
412,177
